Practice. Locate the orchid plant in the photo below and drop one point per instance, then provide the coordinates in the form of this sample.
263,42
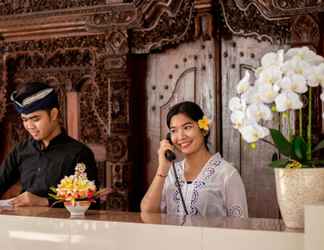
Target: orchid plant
280,83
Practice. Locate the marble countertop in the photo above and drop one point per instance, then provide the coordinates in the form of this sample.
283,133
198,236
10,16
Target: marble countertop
41,228
157,219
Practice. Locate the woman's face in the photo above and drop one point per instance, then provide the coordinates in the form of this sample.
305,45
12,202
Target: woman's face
185,134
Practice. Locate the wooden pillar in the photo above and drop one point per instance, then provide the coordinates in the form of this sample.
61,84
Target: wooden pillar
73,113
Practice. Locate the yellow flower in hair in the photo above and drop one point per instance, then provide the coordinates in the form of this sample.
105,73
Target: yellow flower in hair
203,123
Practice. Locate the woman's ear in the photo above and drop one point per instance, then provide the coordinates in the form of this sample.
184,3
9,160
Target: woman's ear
54,114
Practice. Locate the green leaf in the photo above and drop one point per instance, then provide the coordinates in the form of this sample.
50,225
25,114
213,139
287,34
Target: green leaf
319,146
53,196
299,148
283,145
279,163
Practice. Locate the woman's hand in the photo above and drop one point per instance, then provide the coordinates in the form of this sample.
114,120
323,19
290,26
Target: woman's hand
164,164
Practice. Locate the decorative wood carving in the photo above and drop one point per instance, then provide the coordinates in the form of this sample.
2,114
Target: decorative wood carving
250,22
281,9
265,19
154,24
305,30
68,22
164,23
94,66
204,19
15,7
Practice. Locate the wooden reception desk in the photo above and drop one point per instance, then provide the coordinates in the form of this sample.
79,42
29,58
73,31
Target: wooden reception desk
50,228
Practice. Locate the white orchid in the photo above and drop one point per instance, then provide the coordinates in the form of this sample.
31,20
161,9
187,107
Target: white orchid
316,76
254,132
304,54
238,119
258,112
252,95
270,75
294,83
272,58
287,101
237,104
296,66
244,84
267,93
279,83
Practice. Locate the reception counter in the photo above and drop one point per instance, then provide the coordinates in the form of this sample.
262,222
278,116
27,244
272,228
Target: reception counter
50,228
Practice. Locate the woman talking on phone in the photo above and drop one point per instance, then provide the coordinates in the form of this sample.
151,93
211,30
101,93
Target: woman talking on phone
202,183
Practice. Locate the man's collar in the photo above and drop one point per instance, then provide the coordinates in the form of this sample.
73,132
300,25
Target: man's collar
60,138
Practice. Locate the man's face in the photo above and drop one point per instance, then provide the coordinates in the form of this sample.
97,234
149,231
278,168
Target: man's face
39,124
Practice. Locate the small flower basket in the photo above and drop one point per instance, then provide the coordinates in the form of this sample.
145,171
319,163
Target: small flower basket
77,192
78,208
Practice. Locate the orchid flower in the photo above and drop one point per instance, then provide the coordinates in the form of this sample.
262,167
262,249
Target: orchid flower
236,103
288,100
316,76
279,83
244,84
267,93
294,83
258,112
254,132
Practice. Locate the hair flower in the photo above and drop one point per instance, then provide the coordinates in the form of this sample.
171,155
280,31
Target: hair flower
203,123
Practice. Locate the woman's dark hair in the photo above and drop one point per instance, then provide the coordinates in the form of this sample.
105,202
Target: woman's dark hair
190,109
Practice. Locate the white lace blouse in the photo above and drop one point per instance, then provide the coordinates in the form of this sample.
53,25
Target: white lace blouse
218,190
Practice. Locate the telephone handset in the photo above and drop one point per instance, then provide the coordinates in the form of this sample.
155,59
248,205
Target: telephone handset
169,155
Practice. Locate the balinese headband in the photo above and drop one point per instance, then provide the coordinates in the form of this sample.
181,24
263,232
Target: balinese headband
44,99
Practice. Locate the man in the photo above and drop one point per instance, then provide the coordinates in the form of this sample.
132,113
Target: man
48,155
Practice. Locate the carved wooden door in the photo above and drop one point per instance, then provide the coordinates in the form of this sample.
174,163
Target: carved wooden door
184,73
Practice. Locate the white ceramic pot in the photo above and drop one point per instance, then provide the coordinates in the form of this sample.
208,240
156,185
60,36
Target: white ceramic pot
296,188
78,209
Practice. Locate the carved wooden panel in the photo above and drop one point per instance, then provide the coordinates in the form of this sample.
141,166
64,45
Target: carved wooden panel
165,23
94,68
280,9
250,22
15,7
185,73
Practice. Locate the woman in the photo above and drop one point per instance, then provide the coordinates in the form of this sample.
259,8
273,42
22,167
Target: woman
209,184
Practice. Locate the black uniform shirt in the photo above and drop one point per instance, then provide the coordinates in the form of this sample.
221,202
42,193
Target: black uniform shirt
39,169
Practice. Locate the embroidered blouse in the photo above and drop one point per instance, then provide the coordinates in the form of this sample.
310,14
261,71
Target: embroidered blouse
218,190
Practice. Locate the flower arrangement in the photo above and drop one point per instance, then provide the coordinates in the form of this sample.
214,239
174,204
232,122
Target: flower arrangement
280,86
76,187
